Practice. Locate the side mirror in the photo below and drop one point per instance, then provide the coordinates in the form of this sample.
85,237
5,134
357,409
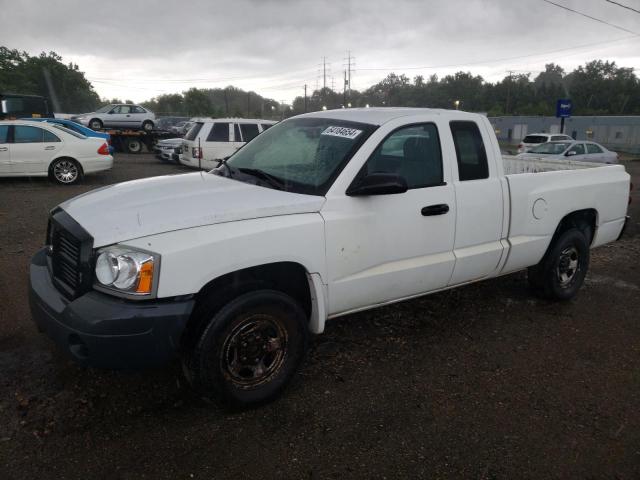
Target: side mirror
378,184
570,153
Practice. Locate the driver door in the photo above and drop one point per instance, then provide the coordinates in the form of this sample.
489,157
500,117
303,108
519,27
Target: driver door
382,248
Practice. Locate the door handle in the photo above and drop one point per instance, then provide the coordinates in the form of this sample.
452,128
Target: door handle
49,148
4,149
439,209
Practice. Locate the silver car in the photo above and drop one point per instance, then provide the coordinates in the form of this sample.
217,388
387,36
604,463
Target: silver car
572,150
119,116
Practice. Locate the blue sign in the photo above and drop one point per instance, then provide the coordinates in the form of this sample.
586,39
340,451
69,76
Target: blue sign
563,108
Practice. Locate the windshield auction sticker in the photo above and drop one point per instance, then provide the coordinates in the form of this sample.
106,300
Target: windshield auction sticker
343,132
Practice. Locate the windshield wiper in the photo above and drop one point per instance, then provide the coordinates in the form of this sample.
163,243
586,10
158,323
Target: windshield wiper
267,177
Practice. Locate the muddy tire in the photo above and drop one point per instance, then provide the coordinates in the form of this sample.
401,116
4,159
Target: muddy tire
250,349
561,272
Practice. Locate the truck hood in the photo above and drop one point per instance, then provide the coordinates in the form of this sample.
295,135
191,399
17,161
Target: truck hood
154,205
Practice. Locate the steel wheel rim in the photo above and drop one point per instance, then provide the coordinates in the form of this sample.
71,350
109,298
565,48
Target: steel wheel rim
65,171
134,147
95,125
255,351
568,265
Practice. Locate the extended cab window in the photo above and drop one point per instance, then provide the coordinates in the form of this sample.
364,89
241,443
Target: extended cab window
25,134
412,152
249,131
470,151
219,133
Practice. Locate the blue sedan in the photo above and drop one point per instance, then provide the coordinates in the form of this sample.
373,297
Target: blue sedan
76,127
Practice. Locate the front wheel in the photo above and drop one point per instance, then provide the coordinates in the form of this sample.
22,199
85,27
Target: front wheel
561,272
65,171
250,349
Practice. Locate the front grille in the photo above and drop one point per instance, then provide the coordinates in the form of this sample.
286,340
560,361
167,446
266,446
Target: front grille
70,255
65,258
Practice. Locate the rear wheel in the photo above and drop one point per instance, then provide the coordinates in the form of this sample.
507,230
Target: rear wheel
561,272
250,349
134,145
95,124
147,125
65,171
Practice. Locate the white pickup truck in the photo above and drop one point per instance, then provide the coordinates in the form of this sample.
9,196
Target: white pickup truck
322,215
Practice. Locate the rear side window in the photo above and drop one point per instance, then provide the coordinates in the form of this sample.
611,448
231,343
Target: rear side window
470,151
591,148
136,109
219,133
4,133
249,131
535,139
194,131
25,134
49,137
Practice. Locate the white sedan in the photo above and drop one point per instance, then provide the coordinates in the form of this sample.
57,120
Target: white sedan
573,150
37,149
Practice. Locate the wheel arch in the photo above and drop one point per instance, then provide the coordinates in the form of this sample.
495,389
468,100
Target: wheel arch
289,277
585,220
64,157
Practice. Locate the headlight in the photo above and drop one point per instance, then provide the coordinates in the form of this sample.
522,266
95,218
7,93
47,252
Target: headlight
127,270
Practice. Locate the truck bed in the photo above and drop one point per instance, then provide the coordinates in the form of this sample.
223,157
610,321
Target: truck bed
543,192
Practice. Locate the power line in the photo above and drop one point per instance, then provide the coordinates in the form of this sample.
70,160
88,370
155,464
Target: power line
592,18
623,6
504,59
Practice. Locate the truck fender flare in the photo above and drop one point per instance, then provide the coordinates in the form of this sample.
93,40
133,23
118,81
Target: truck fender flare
318,294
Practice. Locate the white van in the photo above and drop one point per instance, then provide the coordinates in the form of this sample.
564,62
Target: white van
210,140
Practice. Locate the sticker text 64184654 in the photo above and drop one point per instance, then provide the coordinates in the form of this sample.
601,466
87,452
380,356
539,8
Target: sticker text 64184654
344,132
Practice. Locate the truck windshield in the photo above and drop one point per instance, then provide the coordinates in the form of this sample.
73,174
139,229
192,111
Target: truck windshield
301,155
551,148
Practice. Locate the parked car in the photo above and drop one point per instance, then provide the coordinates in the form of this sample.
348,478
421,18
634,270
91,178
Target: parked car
76,127
165,123
318,217
168,149
181,128
535,139
209,141
120,116
572,150
40,149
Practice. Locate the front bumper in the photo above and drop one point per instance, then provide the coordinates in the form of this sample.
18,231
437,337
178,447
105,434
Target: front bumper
103,331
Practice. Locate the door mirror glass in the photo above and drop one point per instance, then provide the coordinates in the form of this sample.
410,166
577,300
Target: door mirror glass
378,184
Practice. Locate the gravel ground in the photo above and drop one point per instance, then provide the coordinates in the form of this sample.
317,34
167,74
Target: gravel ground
484,381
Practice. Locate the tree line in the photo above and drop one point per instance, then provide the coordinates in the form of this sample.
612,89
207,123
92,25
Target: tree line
596,88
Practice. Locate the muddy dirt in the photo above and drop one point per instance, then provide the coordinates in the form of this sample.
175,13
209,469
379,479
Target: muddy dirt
485,381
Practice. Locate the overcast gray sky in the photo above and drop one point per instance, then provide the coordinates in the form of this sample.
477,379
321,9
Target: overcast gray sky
138,49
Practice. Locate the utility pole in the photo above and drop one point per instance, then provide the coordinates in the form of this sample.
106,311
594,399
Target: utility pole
305,98
350,63
506,107
344,90
324,72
